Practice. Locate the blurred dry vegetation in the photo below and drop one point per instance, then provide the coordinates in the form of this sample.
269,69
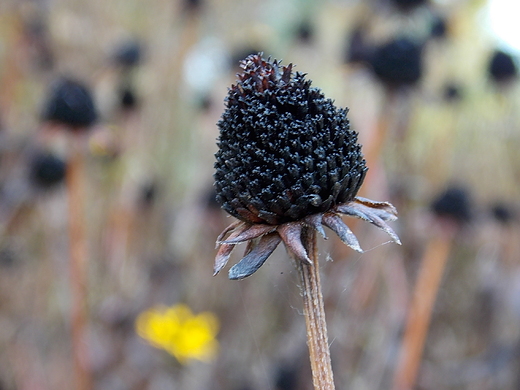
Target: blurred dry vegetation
159,71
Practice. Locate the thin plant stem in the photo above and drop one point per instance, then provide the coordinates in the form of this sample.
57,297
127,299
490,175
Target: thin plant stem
78,263
314,312
425,293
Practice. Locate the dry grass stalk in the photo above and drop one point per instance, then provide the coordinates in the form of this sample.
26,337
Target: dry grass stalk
78,267
423,300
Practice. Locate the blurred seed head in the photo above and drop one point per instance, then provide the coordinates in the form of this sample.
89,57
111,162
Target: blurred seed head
356,49
504,213
502,67
452,92
286,378
193,5
454,203
149,192
8,257
128,54
305,32
407,5
128,99
398,62
70,103
439,27
47,170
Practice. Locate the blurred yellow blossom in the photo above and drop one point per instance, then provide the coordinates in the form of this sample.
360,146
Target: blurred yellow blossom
180,332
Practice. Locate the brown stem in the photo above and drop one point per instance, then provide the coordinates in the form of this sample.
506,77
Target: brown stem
78,259
427,285
314,312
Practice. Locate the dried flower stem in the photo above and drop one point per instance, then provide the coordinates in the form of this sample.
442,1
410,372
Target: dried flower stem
314,312
427,286
78,259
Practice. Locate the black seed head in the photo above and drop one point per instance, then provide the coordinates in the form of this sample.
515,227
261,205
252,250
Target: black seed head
502,67
128,54
398,62
452,92
8,258
454,203
47,170
285,151
439,27
356,49
305,32
503,213
128,99
70,103
149,192
406,5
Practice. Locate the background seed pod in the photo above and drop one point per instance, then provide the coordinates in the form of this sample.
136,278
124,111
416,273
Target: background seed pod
47,170
71,103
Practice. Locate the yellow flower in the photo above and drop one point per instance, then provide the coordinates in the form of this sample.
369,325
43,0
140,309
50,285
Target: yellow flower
179,332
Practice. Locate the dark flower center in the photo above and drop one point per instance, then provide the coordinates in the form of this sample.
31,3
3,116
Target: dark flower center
285,151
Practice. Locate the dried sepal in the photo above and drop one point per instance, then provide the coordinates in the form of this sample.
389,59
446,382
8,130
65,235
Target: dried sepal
315,222
384,210
255,258
222,257
336,224
291,236
224,251
366,213
254,231
233,226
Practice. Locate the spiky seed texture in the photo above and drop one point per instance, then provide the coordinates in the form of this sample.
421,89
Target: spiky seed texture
285,150
287,162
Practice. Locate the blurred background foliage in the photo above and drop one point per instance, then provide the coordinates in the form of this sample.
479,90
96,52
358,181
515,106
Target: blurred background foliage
432,92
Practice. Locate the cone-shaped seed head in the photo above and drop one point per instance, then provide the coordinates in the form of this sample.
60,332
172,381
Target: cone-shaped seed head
70,103
398,62
47,170
286,151
502,67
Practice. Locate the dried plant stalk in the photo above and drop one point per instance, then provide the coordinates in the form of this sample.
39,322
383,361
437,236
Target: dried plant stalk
314,312
427,286
77,266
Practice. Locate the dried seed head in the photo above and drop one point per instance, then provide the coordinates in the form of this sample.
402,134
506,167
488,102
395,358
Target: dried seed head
285,151
407,5
128,54
454,203
398,62
70,103
47,170
439,27
287,162
502,67
504,213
